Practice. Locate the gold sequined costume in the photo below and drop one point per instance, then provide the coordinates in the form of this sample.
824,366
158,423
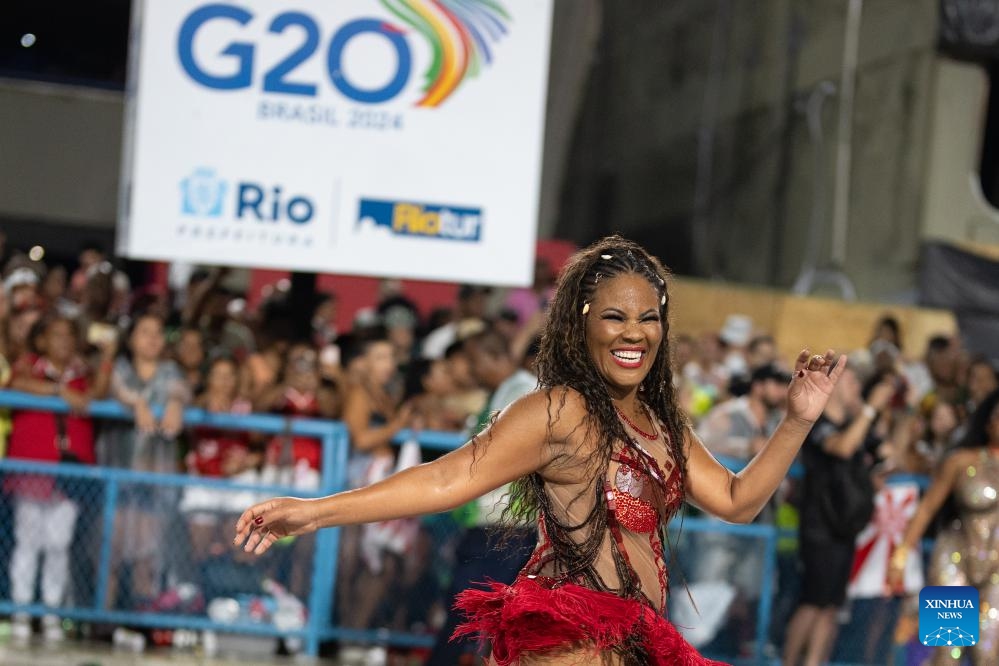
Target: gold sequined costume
967,553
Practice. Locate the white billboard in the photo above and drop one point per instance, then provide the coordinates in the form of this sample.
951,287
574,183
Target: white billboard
374,137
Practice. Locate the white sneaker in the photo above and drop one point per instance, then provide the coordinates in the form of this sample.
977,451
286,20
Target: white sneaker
376,656
352,655
52,629
20,627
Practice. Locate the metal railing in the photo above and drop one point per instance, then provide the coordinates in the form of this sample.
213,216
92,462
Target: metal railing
335,447
319,625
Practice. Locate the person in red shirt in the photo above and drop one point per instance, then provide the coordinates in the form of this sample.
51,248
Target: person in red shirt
44,517
294,460
217,453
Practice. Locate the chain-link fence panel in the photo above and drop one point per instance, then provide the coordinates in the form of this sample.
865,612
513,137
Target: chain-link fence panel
50,546
100,539
722,587
154,550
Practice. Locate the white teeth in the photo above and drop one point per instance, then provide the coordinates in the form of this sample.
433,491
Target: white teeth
628,355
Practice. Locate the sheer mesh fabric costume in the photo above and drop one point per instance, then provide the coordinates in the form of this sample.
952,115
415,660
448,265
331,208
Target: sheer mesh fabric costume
967,551
598,578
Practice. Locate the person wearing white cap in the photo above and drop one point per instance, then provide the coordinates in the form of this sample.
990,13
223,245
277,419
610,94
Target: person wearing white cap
21,288
736,334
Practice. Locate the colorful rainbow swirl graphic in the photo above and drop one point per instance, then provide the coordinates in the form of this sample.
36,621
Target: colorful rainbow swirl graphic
460,33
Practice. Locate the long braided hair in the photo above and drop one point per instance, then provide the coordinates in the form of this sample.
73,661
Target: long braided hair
564,361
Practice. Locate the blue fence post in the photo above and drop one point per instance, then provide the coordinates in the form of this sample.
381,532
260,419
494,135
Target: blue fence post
766,594
334,479
107,532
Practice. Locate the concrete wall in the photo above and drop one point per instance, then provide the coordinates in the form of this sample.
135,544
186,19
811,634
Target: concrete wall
60,150
60,146
955,208
672,78
653,84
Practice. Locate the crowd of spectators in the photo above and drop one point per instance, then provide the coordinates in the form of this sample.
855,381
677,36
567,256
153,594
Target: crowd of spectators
88,334
893,414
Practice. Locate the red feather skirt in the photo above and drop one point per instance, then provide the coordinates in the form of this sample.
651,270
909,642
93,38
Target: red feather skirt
528,617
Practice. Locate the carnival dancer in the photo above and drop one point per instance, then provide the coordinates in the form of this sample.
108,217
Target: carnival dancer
601,457
967,549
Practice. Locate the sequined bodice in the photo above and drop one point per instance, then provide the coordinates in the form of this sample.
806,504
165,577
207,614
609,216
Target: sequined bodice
633,474
641,490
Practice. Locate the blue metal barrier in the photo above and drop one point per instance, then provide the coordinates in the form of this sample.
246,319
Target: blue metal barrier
334,438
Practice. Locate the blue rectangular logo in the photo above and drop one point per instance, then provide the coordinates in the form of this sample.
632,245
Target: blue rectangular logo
948,616
408,218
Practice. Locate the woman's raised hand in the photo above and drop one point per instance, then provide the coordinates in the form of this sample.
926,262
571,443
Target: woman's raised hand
263,524
812,384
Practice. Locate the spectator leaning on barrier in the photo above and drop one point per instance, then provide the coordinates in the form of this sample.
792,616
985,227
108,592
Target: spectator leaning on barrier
373,417
294,460
478,556
44,513
216,453
144,380
838,501
291,459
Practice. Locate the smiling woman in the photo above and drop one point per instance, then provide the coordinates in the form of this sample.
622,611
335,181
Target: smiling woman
601,457
624,331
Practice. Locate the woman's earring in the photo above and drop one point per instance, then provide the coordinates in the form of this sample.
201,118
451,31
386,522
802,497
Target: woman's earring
586,308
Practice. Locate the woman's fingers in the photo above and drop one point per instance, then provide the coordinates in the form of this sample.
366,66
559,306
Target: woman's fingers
801,361
266,542
838,369
809,362
252,518
815,363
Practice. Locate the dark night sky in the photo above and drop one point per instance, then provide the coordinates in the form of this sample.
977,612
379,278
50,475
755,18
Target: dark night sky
76,42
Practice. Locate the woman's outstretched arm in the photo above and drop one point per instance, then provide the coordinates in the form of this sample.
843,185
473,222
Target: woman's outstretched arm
943,484
515,445
739,497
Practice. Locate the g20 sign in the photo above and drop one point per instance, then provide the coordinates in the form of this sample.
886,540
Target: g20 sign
459,34
390,138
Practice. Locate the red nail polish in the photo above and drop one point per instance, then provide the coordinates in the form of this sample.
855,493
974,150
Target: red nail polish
259,520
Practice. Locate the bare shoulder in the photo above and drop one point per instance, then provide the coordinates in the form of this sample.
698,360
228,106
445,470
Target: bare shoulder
560,411
959,459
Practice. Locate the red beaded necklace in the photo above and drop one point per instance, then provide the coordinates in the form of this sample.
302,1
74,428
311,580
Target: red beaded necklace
651,437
